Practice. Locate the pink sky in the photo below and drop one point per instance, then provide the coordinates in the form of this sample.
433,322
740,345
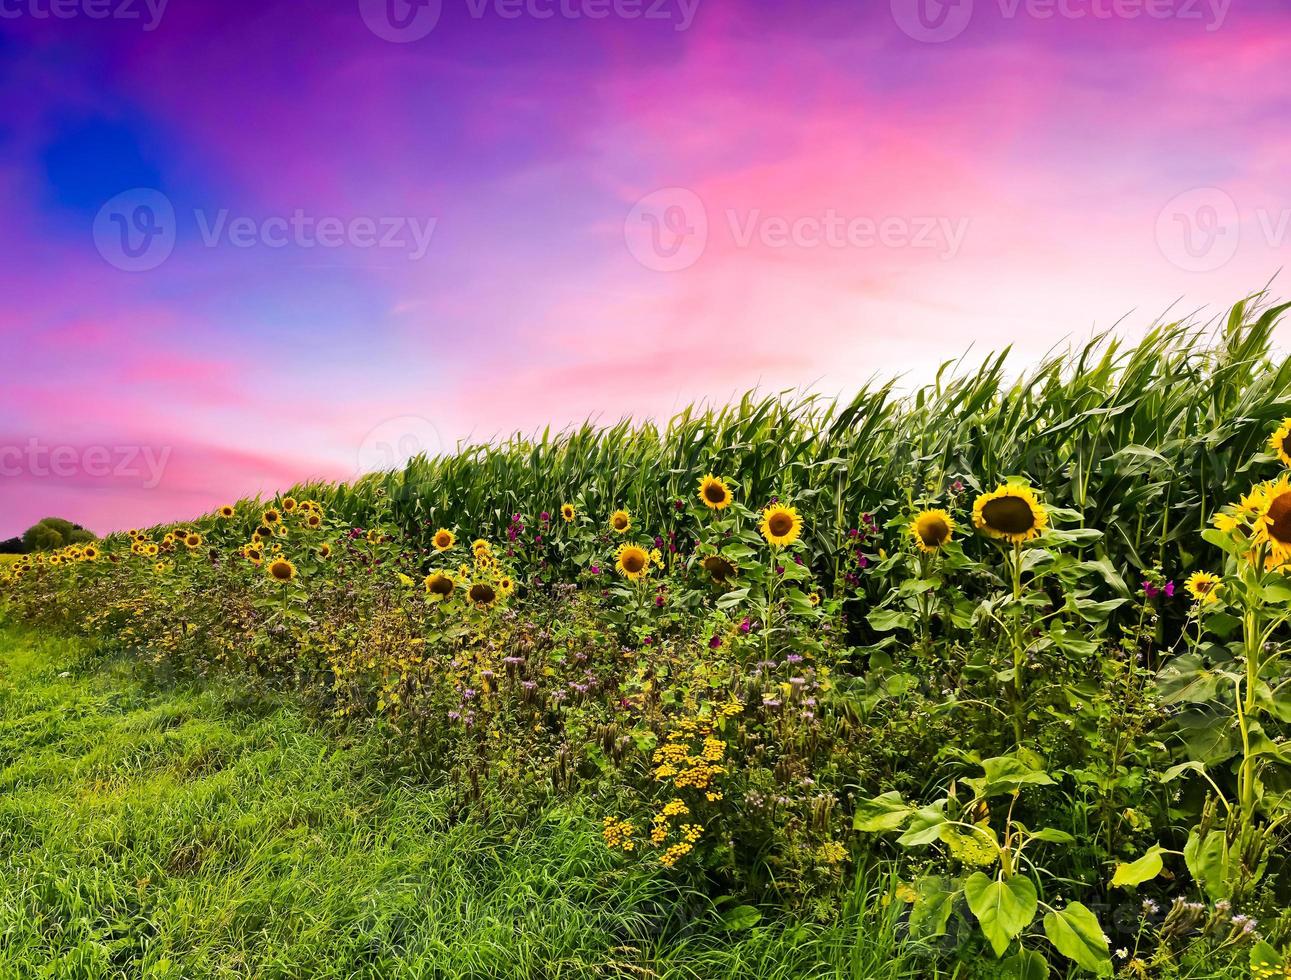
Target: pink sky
583,216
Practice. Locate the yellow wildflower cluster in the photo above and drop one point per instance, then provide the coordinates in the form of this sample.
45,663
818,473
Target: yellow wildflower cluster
674,854
619,834
831,852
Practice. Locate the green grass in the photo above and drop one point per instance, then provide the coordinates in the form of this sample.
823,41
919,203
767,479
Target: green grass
188,831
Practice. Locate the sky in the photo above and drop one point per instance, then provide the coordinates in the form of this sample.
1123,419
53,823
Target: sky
251,243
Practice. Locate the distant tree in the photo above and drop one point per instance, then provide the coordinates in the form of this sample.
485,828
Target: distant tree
52,533
12,546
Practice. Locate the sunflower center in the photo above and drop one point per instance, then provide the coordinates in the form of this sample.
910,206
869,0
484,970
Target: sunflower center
441,585
280,570
780,524
718,567
1011,515
620,523
715,493
933,531
482,592
1279,518
634,561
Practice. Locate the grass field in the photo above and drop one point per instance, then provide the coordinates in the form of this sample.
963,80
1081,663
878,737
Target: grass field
192,832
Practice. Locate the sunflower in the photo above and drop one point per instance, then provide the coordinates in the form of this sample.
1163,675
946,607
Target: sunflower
264,531
374,536
168,539
444,539
1010,513
780,525
324,550
714,492
288,504
481,547
313,520
932,529
151,550
89,553
567,512
621,521
1273,520
271,517
160,567
439,586
482,595
632,560
507,584
192,540
814,598
226,512
281,570
1204,587
1280,442
253,553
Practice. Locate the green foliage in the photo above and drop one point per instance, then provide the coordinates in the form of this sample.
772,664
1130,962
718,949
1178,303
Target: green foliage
52,533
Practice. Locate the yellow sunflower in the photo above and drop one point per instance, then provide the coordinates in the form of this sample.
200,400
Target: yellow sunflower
481,547
313,520
482,595
226,512
281,570
288,504
780,525
632,560
374,536
89,553
567,512
253,553
1273,520
1204,587
152,550
324,550
439,586
1280,441
507,584
192,540
1010,513
714,492
444,539
271,517
932,529
621,521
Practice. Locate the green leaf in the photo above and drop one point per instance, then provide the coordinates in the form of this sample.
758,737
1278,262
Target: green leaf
1027,964
1207,861
1265,958
932,907
1136,872
884,620
925,826
1076,934
1003,908
1052,835
885,812
1006,773
732,598
741,917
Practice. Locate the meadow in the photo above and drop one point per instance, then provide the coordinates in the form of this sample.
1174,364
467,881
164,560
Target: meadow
986,680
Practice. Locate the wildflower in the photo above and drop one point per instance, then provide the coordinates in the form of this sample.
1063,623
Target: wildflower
621,521
192,540
715,642
932,529
271,518
439,586
714,492
443,539
567,513
780,525
831,852
1280,441
482,595
719,567
226,512
1010,513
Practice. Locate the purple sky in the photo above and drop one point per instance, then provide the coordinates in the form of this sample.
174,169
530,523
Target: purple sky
248,243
